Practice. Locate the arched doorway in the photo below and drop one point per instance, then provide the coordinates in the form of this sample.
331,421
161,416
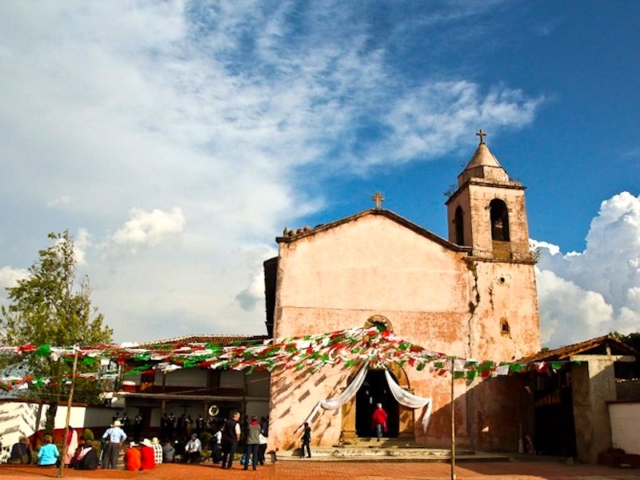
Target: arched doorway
357,412
374,390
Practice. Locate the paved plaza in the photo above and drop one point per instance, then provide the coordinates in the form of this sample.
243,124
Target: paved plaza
325,470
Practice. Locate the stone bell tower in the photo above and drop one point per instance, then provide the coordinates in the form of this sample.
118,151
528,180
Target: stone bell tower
487,212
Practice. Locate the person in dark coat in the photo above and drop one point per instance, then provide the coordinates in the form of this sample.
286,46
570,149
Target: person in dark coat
230,438
86,457
20,452
306,440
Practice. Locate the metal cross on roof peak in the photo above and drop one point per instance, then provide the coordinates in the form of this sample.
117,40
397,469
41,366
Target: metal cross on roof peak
378,198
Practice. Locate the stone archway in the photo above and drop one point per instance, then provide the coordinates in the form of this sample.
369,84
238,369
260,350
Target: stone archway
403,421
401,425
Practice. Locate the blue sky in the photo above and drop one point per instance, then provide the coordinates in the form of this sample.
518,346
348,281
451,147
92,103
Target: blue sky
175,140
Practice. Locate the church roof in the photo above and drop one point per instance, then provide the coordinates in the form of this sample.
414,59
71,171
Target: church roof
605,345
483,157
289,236
215,340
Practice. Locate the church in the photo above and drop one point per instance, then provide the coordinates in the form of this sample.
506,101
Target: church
472,295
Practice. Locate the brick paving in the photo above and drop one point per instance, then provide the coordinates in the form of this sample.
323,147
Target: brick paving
325,470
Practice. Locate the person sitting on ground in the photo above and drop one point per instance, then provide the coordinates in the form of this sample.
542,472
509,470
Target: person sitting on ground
86,457
132,458
147,455
168,452
193,449
157,450
48,455
20,452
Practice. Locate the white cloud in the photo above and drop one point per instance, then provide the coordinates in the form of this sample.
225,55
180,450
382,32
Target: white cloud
597,291
212,108
150,228
63,200
9,276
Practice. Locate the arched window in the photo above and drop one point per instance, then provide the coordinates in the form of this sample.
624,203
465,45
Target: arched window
459,226
499,220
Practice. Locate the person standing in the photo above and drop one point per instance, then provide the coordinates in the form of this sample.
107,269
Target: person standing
230,438
216,451
115,436
72,445
200,425
379,420
264,434
181,426
137,427
253,443
306,440
172,425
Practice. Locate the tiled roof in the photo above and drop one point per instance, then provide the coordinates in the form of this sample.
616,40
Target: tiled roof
216,340
595,346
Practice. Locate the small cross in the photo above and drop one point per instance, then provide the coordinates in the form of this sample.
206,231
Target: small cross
378,199
481,134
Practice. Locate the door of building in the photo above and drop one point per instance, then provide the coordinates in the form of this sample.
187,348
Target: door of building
374,390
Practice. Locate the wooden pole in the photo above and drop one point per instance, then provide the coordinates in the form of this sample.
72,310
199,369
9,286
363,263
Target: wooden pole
66,425
453,425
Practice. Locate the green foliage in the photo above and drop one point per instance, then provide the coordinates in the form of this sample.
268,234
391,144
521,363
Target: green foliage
205,439
624,369
633,339
52,307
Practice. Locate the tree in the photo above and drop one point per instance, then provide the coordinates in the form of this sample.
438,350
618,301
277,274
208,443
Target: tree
52,307
628,370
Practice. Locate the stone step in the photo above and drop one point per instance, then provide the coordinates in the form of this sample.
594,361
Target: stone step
389,453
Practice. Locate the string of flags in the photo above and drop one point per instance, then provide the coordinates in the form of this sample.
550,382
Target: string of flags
349,348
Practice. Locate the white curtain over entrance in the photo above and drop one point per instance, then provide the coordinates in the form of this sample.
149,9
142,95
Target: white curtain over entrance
403,397
344,397
409,400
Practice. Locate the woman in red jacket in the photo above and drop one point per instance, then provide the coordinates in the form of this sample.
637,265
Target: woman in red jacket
379,420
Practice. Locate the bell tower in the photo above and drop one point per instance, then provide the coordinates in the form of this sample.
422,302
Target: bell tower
487,211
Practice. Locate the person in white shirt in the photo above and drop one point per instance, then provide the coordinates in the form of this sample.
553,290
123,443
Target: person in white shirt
193,449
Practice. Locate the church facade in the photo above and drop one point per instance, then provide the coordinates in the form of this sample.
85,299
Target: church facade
472,295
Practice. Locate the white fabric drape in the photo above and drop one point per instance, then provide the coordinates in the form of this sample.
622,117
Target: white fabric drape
344,397
403,397
410,400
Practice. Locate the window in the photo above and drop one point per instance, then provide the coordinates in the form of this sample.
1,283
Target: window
459,226
499,221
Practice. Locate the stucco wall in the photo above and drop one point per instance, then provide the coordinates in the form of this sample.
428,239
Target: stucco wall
433,296
625,433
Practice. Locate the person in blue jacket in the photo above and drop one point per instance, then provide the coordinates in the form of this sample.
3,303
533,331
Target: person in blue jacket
48,455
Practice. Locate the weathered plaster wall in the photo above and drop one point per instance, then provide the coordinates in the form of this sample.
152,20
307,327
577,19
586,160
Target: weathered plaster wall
593,385
433,296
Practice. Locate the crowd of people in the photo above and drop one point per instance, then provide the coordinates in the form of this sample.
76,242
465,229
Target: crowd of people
183,439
